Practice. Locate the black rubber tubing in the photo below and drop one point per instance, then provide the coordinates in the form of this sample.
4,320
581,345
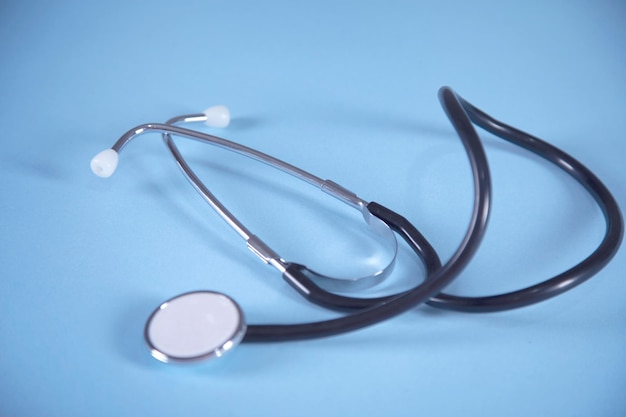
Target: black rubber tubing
515,299
436,282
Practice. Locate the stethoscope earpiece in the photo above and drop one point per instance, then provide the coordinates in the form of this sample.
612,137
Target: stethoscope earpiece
104,163
194,326
217,116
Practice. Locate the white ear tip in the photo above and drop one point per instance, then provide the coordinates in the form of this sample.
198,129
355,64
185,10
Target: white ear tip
217,116
105,163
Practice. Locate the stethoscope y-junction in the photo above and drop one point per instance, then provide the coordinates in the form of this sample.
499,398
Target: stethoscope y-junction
205,324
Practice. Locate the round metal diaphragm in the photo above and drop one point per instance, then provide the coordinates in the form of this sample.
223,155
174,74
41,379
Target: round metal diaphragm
194,326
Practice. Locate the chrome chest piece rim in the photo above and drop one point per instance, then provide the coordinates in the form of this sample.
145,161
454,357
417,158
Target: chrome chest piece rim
194,326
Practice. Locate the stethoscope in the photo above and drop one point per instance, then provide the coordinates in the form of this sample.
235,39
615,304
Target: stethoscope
205,324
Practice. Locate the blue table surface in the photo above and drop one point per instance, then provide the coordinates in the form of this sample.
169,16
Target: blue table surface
348,91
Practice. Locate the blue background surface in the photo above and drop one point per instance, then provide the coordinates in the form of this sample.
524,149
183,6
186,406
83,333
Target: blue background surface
346,90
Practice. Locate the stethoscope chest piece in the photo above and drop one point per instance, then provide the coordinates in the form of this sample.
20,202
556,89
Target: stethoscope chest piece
194,326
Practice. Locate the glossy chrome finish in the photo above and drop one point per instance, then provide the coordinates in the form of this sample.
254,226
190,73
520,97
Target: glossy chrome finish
254,243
